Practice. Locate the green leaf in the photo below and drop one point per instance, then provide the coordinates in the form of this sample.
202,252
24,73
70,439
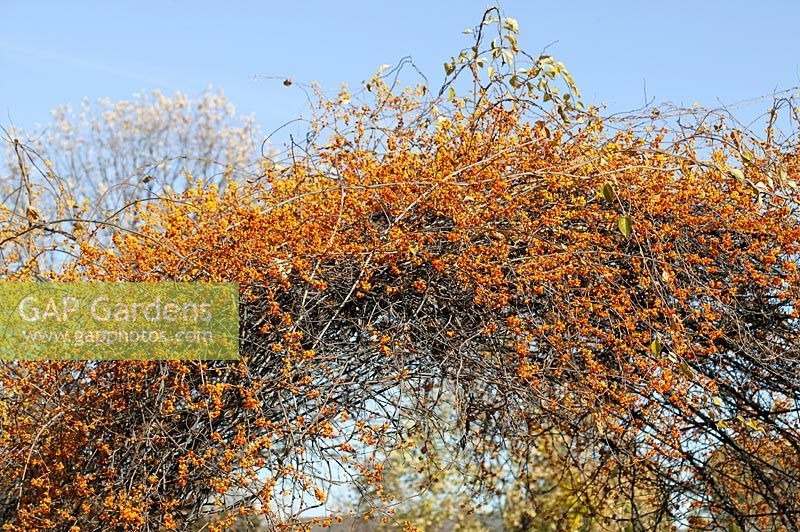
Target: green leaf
449,68
625,226
571,83
762,187
608,192
508,56
511,24
655,347
452,94
738,174
512,41
467,31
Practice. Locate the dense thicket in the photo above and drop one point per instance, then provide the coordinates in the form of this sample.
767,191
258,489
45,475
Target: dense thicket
606,307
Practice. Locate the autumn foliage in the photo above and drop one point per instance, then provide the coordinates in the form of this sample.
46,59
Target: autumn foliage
604,305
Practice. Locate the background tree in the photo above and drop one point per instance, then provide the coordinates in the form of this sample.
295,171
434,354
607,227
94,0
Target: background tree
95,163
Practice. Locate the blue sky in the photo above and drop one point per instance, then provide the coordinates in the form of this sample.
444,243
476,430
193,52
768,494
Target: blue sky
682,51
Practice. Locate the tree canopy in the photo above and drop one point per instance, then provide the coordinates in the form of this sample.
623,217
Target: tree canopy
600,308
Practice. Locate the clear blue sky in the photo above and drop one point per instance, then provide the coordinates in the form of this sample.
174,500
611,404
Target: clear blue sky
55,52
